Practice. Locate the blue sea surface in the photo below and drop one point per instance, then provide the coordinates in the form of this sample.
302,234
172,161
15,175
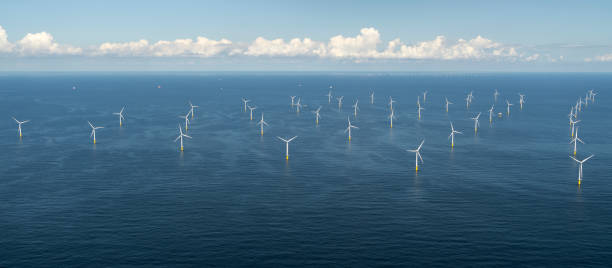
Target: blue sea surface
505,196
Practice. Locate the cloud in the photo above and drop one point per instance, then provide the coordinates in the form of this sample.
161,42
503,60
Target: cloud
278,47
602,58
201,47
5,45
43,44
366,46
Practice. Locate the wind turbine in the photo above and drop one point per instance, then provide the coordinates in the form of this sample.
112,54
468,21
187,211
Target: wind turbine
491,113
452,135
252,108
317,116
575,141
417,155
181,135
580,168
120,114
298,105
508,107
19,127
468,100
340,102
419,108
476,123
447,103
329,96
391,101
495,94
391,117
425,96
262,123
292,98
245,103
356,107
287,144
372,97
93,131
186,120
349,128
573,123
521,100
193,108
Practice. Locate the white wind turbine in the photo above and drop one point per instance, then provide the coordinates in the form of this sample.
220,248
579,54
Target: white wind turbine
391,117
245,103
452,135
521,100
508,107
186,120
329,96
476,123
19,127
292,99
356,107
299,105
468,99
580,168
573,123
93,131
491,113
193,108
252,109
425,96
575,141
262,123
419,108
340,102
120,114
447,103
391,101
417,155
372,97
349,128
495,94
317,115
287,145
181,135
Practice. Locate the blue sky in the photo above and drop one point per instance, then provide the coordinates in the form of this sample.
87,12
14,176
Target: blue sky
338,35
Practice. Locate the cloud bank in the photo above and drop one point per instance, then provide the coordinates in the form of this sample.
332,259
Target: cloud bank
367,45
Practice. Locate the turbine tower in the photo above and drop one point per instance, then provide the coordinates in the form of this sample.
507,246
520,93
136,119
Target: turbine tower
121,118
181,135
287,145
19,127
580,168
417,155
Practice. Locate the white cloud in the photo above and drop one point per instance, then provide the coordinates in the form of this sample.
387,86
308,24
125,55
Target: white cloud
606,57
366,46
201,47
43,44
5,45
278,47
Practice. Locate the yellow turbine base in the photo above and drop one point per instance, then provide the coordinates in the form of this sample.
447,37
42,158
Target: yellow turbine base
287,157
417,168
262,133
578,182
120,124
574,152
94,141
349,138
20,135
181,148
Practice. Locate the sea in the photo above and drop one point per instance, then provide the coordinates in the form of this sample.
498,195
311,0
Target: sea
504,196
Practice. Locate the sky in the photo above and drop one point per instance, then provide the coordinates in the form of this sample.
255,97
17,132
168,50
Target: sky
539,36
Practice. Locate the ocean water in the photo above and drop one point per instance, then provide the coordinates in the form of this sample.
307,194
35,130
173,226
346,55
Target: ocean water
506,196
